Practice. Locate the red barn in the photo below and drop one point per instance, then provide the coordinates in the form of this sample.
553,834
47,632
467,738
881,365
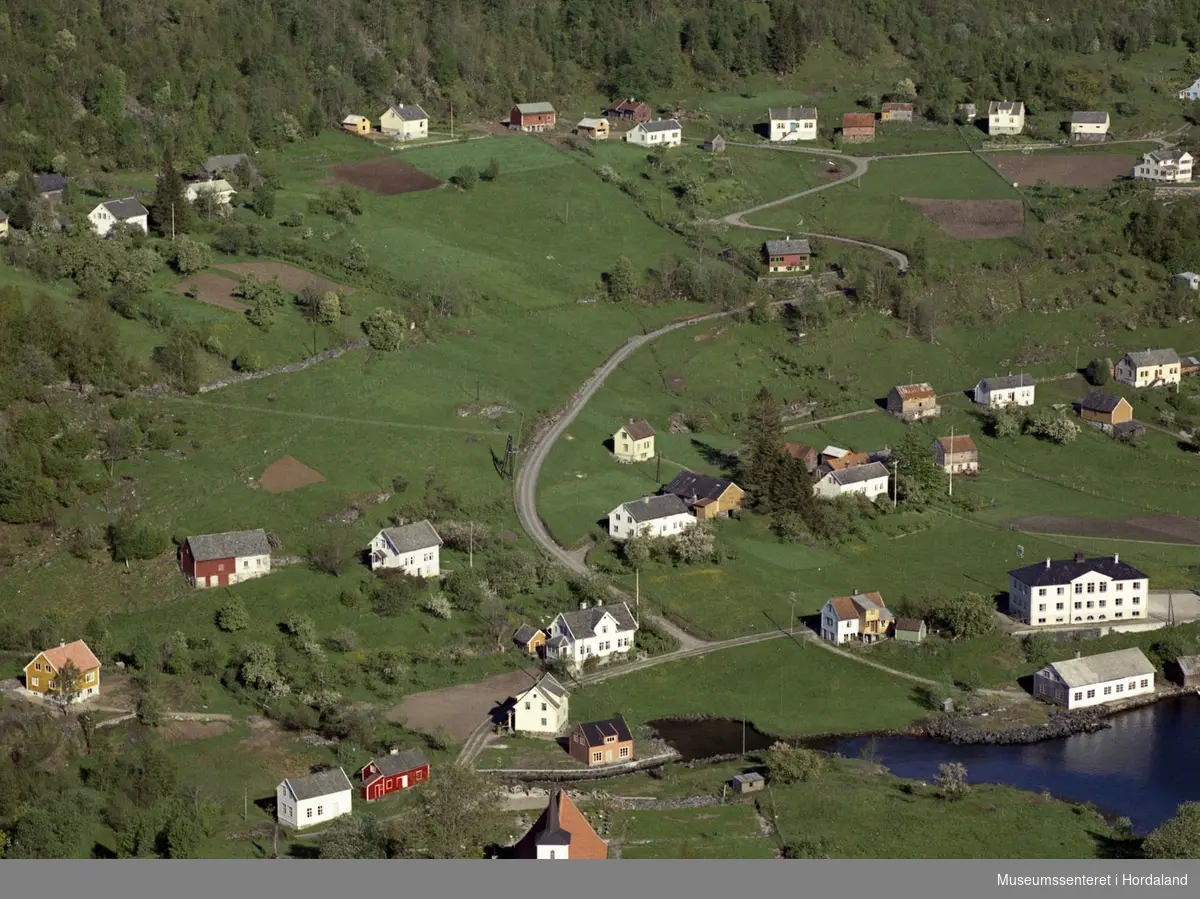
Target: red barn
532,117
393,772
858,127
629,110
220,560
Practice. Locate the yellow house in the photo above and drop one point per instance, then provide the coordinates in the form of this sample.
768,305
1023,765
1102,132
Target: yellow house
357,124
634,441
41,674
596,129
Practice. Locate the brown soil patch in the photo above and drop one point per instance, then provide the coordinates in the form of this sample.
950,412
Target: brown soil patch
1063,171
384,176
216,290
974,219
293,279
287,474
1152,529
459,709
185,731
677,384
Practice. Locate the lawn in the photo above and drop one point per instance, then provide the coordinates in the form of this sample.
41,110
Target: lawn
727,831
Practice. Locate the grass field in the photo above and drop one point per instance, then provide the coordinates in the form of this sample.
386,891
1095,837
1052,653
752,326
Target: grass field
730,831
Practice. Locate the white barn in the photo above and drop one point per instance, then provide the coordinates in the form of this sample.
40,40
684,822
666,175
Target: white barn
1080,683
413,548
301,802
650,516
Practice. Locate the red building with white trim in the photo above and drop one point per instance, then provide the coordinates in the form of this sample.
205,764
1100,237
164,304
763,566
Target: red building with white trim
393,772
220,560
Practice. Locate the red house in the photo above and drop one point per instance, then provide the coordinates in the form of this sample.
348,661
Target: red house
532,117
629,110
787,255
858,127
393,772
220,560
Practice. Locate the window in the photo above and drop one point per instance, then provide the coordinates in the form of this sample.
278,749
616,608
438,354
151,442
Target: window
1078,695
1119,615
1137,600
1041,621
1091,588
1042,591
596,756
552,853
1090,604
1136,613
1145,682
1102,603
543,722
34,681
320,810
528,706
1120,688
624,752
1133,685
220,566
87,679
1120,586
543,709
1058,606
1041,607
1091,694
1137,585
1107,691
1118,601
1104,586
1079,588
37,666
1061,590
309,815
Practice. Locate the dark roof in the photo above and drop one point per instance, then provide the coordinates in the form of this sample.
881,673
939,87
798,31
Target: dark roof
661,125
1100,402
1172,154
595,731
1006,107
1144,358
786,247
712,139
49,181
411,537
651,508
525,633
552,833
688,485
909,624
322,783
548,684
399,762
3,216
791,113
1089,118
126,208
638,428
631,104
230,545
584,621
1053,572
856,474
410,112
556,642
1007,382
216,164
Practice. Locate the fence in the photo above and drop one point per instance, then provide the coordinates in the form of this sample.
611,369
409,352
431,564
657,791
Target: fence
556,775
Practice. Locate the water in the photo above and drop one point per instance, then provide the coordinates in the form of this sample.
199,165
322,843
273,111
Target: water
705,737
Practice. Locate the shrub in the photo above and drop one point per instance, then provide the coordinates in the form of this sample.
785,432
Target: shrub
439,607
465,178
344,639
232,616
248,361
951,779
132,539
789,764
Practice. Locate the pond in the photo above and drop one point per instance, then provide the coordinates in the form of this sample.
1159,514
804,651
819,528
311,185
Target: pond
703,738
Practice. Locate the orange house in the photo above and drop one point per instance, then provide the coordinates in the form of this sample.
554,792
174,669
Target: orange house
1105,410
602,742
562,832
707,497
41,675
530,640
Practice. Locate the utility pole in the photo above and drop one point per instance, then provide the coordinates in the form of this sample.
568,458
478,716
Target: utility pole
792,626
245,802
567,216
637,596
172,221
743,736
451,121
471,547
952,463
896,483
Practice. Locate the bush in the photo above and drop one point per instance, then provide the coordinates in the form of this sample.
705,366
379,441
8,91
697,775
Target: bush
1177,837
232,616
465,178
789,764
351,597
439,606
344,639
248,361
952,781
131,539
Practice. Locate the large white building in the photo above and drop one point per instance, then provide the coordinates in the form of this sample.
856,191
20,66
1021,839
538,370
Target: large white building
301,802
650,516
1089,125
870,480
220,190
663,133
413,548
591,632
1009,390
862,616
109,214
1149,368
792,123
1072,591
1006,117
405,121
542,709
1173,166
1095,680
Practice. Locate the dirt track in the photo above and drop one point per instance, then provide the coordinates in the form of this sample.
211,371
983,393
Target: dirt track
1152,529
974,219
384,176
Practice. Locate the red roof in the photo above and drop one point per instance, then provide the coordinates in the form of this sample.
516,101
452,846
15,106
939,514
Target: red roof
77,652
962,443
858,120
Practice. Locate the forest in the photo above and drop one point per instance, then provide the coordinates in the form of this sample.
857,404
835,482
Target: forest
114,81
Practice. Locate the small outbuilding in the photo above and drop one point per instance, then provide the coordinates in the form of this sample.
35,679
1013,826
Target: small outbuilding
747,783
715,144
909,630
1185,671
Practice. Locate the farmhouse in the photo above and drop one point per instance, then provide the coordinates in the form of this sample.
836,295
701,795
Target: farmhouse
602,742
405,121
1192,92
301,802
222,560
542,709
1089,125
1105,411
630,110
357,124
792,123
1185,671
1079,683
663,133
1075,590
803,453
858,127
787,255
861,617
530,640
909,630
896,112
593,129
707,497
532,117
561,832
396,771
50,186
714,144
41,674
219,189
870,480
956,455
1009,390
113,212
634,441
592,632
1187,280
1149,368
665,515
1169,166
222,166
913,402
414,548
1006,117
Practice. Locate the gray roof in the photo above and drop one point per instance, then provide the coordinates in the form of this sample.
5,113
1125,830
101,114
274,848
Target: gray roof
866,604
126,208
399,762
859,473
583,623
1189,665
551,689
692,487
1106,666
752,777
1153,357
230,545
913,625
1089,118
49,181
215,164
556,642
651,508
791,113
785,247
411,537
1006,107
1099,402
1188,275
1007,382
1052,573
1174,154
322,783
534,108
661,125
410,112
525,633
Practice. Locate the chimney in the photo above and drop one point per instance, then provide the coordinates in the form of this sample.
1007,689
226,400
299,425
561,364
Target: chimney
393,752
1116,558
646,500
1077,653
1047,561
583,605
1078,558
62,642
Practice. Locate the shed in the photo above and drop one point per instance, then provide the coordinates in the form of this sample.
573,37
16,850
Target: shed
909,630
1186,672
715,144
747,783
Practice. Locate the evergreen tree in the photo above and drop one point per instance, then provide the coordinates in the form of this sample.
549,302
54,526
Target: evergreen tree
793,500
919,478
170,213
766,456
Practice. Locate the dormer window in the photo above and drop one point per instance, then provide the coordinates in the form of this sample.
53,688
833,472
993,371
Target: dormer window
610,739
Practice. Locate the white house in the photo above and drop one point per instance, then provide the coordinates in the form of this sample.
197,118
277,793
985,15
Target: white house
1192,92
871,480
792,123
542,709
1173,166
405,121
663,133
592,632
1009,390
650,516
1089,125
1190,280
105,216
414,548
220,190
1149,368
1006,117
301,802
1071,591
862,616
1094,680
